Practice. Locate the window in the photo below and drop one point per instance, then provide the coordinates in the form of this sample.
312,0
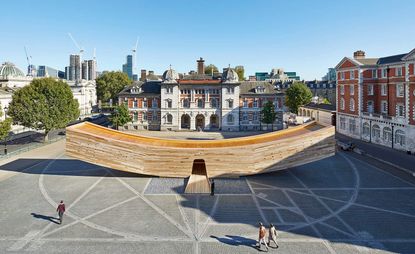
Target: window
370,107
318,85
387,134
154,103
230,90
342,103
351,87
352,126
384,106
245,104
230,119
351,104
342,123
135,104
144,103
169,89
366,129
186,103
398,71
255,103
255,116
244,116
169,119
400,137
213,103
351,74
384,73
135,116
370,89
230,103
400,110
383,89
259,89
374,73
169,103
376,131
342,75
154,116
200,103
399,90
342,89
144,116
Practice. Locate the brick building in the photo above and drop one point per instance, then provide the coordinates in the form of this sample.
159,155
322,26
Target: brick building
376,99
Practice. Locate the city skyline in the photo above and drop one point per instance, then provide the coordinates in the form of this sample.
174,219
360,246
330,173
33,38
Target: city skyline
304,37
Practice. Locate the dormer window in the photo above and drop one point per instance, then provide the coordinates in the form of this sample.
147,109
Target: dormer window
259,89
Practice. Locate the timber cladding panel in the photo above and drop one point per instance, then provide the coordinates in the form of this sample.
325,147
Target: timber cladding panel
174,158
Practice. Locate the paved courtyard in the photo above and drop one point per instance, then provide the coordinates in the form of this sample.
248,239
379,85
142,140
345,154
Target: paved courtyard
340,204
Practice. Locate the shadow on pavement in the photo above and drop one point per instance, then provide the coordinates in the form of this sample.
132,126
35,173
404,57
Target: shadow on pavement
45,217
236,241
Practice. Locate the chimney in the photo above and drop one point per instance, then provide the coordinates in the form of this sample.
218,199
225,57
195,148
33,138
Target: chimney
150,72
200,66
143,75
360,54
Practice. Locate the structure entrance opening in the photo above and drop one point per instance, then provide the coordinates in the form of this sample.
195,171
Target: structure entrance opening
198,180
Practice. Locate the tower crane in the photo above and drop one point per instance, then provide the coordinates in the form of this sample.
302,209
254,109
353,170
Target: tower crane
29,64
81,50
134,50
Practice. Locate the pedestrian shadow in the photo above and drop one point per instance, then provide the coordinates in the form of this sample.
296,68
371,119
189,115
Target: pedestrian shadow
45,217
236,241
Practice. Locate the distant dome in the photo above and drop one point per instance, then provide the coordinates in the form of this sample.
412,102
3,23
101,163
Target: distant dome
230,76
10,70
170,76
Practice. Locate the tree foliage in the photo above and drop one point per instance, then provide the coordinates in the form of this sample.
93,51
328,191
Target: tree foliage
110,84
120,116
209,68
298,94
325,101
45,104
241,72
5,126
268,113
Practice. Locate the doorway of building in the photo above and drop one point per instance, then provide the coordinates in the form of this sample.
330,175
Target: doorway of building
200,122
198,180
185,121
214,122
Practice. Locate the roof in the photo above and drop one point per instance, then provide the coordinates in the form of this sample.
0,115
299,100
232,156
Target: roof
199,81
148,88
249,87
367,61
321,106
391,59
9,69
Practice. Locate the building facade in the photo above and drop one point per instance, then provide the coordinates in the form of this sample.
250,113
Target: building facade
189,103
127,68
376,99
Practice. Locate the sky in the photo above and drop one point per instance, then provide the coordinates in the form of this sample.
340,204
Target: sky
303,36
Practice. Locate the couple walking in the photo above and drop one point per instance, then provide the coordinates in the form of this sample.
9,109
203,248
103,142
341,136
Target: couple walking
272,235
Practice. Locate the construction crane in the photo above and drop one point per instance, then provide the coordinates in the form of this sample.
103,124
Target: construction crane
81,50
134,50
29,64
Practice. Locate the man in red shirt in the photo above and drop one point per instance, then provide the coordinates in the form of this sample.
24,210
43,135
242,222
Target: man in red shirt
61,210
261,238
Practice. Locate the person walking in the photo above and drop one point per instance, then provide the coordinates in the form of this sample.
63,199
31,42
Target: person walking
212,187
272,235
60,210
261,238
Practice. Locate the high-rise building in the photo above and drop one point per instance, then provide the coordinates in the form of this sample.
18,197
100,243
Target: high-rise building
128,66
74,69
85,70
92,69
46,71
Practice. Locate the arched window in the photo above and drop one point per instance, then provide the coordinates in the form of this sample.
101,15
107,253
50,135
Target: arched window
186,103
351,104
230,119
169,103
366,129
376,131
400,137
387,134
230,103
342,103
200,103
154,103
169,119
213,103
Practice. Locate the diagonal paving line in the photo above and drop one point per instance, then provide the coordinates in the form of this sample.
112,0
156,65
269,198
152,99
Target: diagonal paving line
155,207
261,213
86,192
206,223
184,217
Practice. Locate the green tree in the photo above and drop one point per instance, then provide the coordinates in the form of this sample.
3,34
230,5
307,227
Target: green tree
120,116
110,84
5,126
298,94
45,104
209,68
268,113
325,101
241,72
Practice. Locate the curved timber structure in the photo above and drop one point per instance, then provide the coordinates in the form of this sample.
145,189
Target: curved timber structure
174,158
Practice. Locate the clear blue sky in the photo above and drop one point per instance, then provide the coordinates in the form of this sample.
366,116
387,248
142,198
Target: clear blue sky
303,36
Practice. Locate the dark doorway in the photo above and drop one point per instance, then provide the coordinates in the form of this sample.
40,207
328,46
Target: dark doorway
198,180
185,121
200,122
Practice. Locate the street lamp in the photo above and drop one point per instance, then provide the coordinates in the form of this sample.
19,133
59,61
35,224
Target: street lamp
5,138
116,118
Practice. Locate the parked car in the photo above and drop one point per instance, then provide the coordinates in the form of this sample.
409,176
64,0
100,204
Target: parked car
346,146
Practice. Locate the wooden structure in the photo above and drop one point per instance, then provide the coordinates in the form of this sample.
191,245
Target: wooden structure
198,180
174,158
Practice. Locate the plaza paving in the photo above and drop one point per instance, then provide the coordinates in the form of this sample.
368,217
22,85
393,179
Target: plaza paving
340,204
